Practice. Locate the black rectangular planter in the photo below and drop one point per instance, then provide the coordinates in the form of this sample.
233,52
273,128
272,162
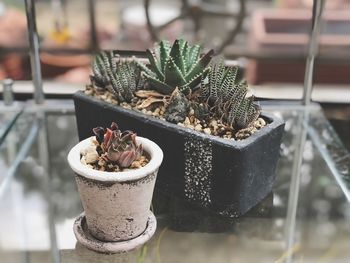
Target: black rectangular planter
226,176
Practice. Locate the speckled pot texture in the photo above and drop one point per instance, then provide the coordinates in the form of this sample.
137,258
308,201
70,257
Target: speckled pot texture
116,204
225,176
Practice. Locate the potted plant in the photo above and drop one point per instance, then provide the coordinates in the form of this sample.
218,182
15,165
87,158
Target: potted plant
221,150
285,32
115,173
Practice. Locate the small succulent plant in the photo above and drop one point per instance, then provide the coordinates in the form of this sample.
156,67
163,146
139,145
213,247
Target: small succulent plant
227,97
120,77
116,146
179,65
177,108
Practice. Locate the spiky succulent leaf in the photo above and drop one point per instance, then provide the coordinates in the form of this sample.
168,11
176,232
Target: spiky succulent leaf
192,83
228,82
145,69
132,79
183,43
158,85
193,54
97,69
175,54
155,63
126,81
247,113
173,75
238,95
184,52
164,49
199,66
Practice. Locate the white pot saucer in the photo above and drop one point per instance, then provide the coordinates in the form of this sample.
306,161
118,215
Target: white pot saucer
85,238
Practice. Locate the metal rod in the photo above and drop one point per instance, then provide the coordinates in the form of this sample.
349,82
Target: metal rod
294,190
93,31
7,92
34,52
317,10
44,157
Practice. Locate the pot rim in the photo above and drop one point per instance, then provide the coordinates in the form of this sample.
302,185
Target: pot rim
155,152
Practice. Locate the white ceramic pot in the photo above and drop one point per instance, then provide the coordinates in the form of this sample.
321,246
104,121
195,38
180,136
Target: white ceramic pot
116,204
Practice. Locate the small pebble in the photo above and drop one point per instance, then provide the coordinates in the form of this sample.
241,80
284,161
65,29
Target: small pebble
207,131
135,164
91,157
101,162
82,160
85,151
187,121
126,107
262,121
89,92
213,123
198,127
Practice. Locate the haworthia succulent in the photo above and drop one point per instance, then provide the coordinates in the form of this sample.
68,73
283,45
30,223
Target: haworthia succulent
119,76
228,97
179,65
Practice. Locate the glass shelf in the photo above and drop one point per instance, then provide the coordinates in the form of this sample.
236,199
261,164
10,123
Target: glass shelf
305,218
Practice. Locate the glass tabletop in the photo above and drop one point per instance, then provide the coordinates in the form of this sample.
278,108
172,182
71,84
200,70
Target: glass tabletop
304,219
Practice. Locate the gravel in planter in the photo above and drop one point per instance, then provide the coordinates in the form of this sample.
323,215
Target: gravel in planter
212,126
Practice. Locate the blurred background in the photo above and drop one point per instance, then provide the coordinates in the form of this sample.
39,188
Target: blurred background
268,39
